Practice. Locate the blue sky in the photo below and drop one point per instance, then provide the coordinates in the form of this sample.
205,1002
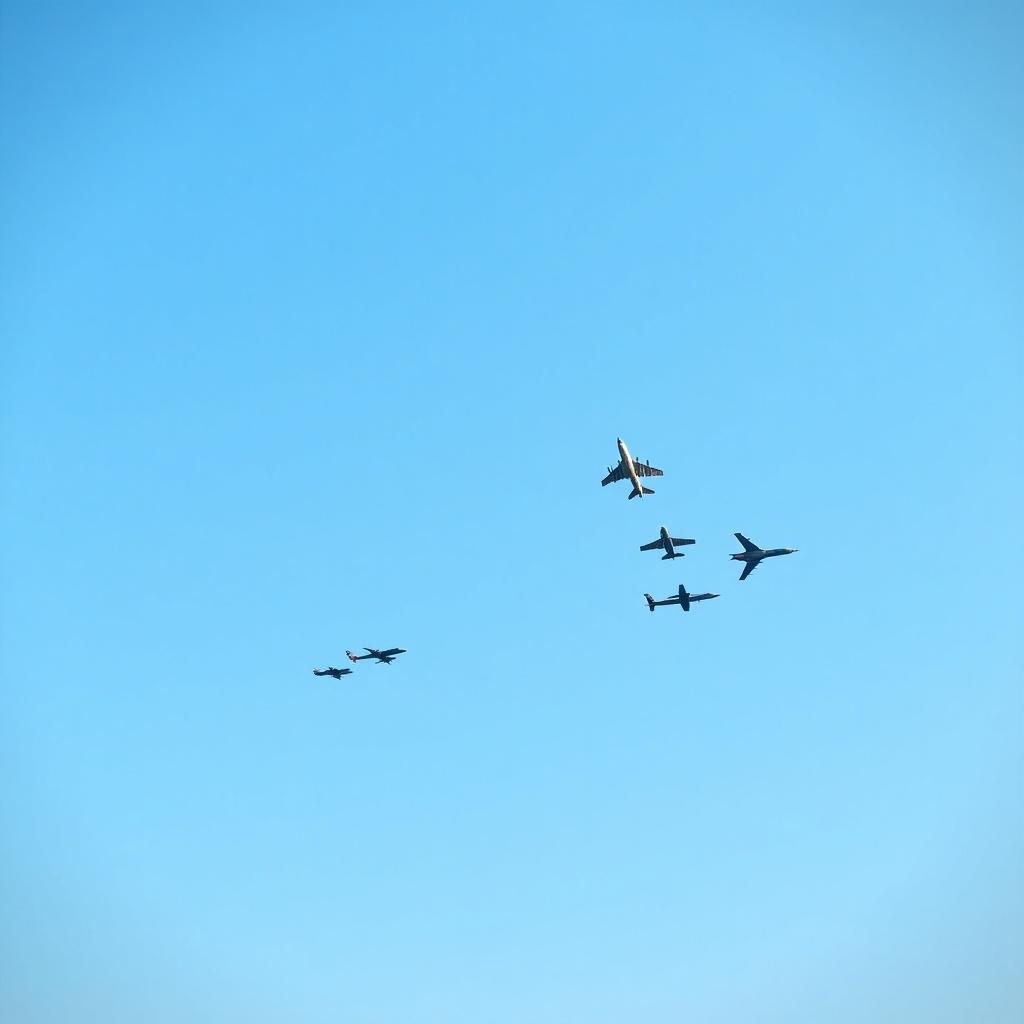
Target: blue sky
319,324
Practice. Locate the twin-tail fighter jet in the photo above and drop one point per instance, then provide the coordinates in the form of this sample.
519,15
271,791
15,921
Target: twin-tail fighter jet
383,657
668,544
630,469
683,599
332,671
753,555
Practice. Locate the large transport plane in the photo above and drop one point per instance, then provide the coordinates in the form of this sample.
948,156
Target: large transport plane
683,599
668,544
383,657
753,555
630,469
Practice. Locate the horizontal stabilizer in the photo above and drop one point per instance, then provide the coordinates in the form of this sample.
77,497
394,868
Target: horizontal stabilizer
677,554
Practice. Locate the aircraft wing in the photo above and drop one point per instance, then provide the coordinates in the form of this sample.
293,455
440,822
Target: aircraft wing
645,469
679,541
392,651
618,473
748,569
748,545
659,543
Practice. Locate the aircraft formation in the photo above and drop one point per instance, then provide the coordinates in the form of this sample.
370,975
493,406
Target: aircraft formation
382,657
632,469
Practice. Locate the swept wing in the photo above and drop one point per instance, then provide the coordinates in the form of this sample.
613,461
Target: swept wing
748,569
646,469
620,472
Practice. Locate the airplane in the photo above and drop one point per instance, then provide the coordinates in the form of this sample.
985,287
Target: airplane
630,469
753,555
383,657
668,543
683,599
332,671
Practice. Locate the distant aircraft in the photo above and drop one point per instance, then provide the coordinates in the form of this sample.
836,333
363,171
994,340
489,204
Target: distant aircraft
631,469
332,671
683,599
383,657
668,543
753,555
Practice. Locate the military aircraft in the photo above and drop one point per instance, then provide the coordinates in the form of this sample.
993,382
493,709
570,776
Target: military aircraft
332,671
668,543
752,554
630,469
683,599
383,657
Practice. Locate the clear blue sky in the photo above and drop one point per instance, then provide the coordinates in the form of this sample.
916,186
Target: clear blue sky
319,323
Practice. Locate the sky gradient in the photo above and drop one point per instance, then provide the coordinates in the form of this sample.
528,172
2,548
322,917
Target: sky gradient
318,325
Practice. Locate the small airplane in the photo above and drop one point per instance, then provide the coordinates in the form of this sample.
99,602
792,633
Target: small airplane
752,554
630,469
332,671
683,599
668,543
383,657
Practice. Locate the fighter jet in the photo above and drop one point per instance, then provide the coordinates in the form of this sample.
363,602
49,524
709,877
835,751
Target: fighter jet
683,599
332,671
630,469
383,657
668,543
752,554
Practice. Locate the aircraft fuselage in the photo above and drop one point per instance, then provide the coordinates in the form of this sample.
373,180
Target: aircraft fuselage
627,465
756,556
670,550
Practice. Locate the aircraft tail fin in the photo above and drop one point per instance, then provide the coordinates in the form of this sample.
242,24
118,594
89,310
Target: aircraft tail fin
351,656
676,554
650,601
636,494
